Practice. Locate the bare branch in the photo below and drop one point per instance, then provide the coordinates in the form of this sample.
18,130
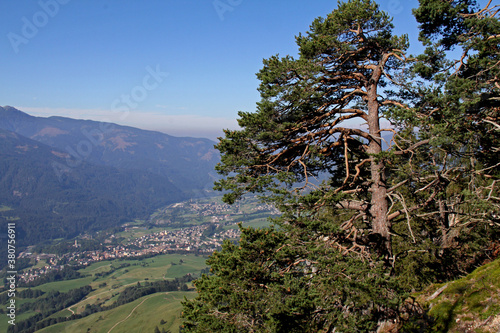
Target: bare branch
493,123
402,200
351,204
410,149
397,185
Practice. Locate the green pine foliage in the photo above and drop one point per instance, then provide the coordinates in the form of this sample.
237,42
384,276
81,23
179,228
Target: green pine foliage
271,282
367,218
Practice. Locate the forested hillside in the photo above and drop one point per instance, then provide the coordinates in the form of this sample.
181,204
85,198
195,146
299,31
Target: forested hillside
48,203
187,162
346,254
60,177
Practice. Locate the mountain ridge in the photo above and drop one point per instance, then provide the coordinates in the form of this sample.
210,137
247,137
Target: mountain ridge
187,162
50,203
60,177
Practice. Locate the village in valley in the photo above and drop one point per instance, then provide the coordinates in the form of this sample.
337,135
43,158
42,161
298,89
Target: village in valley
197,226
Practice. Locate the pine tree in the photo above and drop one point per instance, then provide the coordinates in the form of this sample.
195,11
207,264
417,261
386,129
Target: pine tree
382,165
320,268
321,114
458,109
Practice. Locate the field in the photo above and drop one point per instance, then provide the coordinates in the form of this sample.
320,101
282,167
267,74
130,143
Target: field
142,315
247,210
111,277
108,279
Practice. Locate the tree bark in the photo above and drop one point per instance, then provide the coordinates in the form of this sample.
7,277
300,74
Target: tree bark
379,205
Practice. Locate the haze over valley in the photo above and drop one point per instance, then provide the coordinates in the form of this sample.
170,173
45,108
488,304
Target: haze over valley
62,176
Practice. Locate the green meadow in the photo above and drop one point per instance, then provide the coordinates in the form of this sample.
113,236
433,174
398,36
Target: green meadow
108,279
245,211
160,310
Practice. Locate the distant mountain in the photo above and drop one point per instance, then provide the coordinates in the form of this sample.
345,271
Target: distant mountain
49,200
60,176
187,162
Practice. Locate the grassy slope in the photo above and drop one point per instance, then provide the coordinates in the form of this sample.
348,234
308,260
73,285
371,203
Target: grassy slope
470,304
142,315
151,312
151,269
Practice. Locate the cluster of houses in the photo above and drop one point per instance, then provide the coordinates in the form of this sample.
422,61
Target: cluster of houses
184,240
193,239
220,211
189,239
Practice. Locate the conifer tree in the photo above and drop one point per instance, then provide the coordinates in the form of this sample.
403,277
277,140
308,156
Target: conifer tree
457,104
326,264
322,114
383,166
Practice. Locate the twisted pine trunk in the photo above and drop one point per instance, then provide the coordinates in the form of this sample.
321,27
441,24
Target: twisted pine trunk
379,205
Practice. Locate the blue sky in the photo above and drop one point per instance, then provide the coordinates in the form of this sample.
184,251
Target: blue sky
184,67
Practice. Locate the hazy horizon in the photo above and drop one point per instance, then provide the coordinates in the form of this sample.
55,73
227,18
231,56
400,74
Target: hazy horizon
181,68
